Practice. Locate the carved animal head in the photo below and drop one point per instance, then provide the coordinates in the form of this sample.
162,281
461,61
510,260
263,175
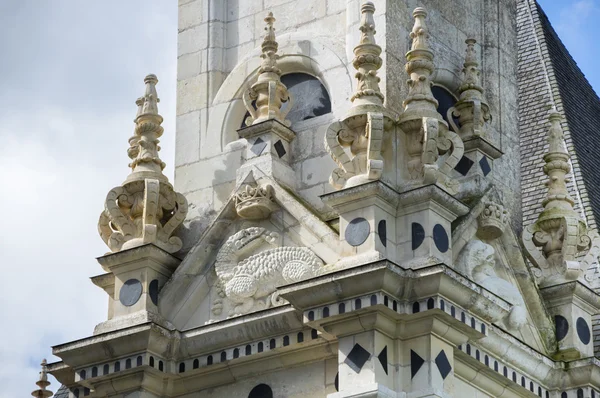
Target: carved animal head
477,260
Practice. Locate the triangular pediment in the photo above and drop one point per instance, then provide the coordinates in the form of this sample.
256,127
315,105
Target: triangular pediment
488,252
264,237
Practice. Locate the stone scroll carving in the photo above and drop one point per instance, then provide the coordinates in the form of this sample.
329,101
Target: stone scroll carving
248,276
366,162
477,261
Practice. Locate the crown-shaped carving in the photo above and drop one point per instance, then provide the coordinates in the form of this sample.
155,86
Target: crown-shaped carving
42,383
255,202
265,99
492,221
145,209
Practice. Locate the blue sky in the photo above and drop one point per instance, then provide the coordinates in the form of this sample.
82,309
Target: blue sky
69,76
576,22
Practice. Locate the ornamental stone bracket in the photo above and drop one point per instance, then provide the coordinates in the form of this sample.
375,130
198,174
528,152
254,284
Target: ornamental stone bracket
426,135
356,142
254,202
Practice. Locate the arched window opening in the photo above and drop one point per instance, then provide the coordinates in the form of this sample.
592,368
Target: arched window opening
310,97
261,391
446,100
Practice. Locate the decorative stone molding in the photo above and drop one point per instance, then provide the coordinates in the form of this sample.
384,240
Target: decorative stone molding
264,100
249,279
254,202
492,221
427,134
42,383
477,261
472,109
363,128
559,230
145,209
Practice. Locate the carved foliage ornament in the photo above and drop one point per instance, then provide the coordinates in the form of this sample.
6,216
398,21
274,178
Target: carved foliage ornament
248,277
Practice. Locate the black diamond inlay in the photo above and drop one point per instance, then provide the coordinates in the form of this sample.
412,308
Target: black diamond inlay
583,331
357,358
562,327
443,364
418,235
279,148
485,166
382,232
153,291
383,359
415,363
464,165
259,146
440,238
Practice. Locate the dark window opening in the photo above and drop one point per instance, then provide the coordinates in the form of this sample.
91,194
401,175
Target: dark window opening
261,391
310,97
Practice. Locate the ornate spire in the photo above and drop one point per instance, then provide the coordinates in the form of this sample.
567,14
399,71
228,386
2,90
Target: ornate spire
472,108
266,97
427,134
559,230
143,149
145,209
420,66
42,383
367,61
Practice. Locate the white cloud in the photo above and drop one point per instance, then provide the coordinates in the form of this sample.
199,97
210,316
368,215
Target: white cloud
69,83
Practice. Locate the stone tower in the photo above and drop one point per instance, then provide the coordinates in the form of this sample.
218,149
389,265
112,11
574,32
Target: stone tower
345,219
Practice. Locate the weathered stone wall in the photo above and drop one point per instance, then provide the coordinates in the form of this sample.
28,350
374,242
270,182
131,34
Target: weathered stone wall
218,56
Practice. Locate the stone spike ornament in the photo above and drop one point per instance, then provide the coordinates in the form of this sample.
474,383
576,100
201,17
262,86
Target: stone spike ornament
472,108
362,130
145,208
427,134
43,383
367,62
559,230
265,99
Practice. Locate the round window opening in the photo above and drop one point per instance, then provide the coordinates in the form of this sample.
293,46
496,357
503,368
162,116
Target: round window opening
261,391
310,98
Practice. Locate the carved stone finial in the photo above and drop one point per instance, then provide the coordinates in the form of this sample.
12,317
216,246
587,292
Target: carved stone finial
42,383
472,108
264,100
145,209
492,221
255,203
559,230
367,61
427,134
143,146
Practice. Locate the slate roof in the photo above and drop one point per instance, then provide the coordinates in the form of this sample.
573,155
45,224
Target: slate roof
62,392
547,75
